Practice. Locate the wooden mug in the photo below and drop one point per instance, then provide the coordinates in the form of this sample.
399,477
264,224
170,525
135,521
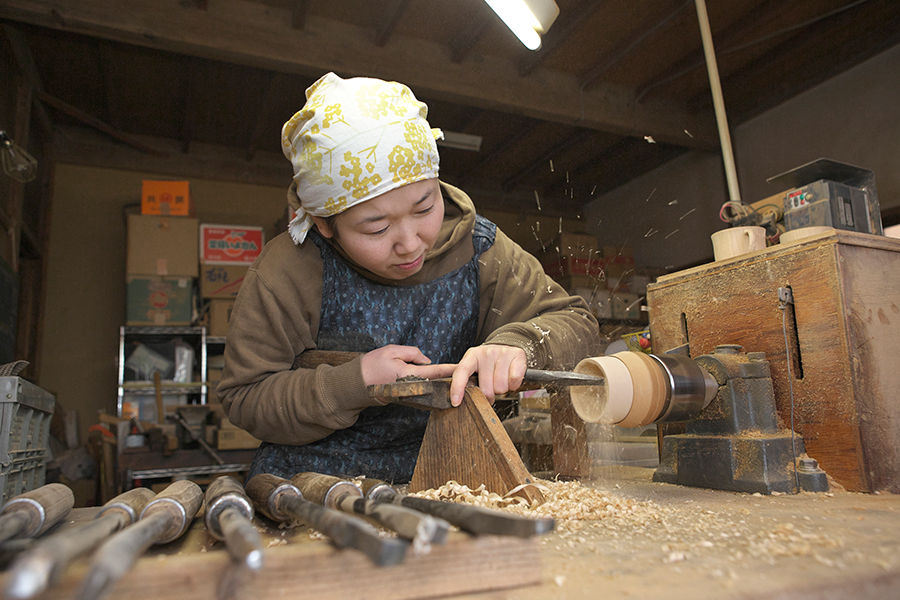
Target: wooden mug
735,241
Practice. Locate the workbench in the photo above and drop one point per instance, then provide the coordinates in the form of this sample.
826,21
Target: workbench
663,541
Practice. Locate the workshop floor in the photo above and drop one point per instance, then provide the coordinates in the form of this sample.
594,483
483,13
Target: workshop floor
675,542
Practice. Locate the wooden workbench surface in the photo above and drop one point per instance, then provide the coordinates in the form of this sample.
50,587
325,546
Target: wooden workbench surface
656,541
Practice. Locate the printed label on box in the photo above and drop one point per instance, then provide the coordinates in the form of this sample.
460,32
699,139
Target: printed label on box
226,244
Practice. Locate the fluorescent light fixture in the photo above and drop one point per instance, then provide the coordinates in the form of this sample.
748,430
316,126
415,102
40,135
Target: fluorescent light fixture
460,141
526,18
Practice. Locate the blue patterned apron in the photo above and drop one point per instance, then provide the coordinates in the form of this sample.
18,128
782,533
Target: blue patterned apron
440,317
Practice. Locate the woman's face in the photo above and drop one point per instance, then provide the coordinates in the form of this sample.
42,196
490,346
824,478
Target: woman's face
390,234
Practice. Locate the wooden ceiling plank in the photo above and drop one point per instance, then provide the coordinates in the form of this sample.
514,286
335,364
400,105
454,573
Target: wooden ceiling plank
96,123
695,60
847,48
107,68
626,47
567,143
252,34
274,89
462,45
510,142
558,35
25,61
392,16
299,12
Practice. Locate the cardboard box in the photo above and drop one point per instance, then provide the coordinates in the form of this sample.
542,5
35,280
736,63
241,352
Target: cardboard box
159,300
230,244
168,198
165,246
221,281
219,316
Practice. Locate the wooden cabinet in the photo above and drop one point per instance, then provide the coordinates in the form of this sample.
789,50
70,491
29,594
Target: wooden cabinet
843,333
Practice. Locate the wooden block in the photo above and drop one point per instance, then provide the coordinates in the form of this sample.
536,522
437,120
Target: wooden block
465,565
469,445
843,333
571,458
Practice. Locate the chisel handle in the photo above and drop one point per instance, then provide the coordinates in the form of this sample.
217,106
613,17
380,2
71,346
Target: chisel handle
225,492
326,490
128,505
266,491
180,502
41,508
280,500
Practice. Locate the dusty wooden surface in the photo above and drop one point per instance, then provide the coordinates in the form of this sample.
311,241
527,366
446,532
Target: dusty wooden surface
652,540
843,332
684,543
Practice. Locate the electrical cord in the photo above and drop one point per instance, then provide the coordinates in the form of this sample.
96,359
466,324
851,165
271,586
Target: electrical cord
782,305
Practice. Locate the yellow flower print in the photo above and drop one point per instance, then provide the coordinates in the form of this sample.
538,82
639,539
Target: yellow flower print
354,183
333,207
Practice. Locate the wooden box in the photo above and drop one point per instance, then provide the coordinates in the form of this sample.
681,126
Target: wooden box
843,331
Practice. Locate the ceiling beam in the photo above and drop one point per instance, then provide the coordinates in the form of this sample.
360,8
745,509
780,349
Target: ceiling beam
740,28
810,65
590,78
299,11
558,35
258,35
392,16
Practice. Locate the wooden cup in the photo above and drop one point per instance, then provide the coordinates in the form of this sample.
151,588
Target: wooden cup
735,241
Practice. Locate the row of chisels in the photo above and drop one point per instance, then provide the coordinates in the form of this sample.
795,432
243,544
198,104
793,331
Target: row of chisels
345,511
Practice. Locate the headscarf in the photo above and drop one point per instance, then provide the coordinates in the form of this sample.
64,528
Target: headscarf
353,140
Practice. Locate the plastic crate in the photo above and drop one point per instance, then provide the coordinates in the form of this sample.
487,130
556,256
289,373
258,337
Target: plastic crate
25,412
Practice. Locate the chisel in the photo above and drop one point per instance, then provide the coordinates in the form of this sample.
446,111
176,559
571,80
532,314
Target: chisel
280,500
345,496
30,514
474,519
163,520
228,517
41,567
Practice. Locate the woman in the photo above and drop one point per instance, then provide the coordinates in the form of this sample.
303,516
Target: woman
383,259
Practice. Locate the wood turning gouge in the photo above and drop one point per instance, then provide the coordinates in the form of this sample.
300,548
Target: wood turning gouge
334,492
163,520
30,514
228,517
473,519
280,500
41,567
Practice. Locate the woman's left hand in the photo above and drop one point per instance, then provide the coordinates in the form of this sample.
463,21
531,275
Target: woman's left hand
500,369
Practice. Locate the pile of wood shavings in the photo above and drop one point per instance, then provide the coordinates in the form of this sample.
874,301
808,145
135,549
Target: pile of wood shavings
569,502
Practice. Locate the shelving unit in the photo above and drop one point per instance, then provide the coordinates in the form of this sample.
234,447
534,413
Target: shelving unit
194,336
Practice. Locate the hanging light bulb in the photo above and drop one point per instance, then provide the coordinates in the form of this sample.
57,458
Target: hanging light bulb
17,163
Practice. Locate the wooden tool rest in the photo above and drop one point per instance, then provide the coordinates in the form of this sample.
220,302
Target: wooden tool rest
449,451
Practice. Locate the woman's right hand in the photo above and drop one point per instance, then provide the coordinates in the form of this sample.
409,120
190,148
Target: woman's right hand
390,363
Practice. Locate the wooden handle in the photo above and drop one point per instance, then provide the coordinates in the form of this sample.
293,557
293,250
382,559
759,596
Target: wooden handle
324,489
180,502
43,508
223,493
129,504
266,489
